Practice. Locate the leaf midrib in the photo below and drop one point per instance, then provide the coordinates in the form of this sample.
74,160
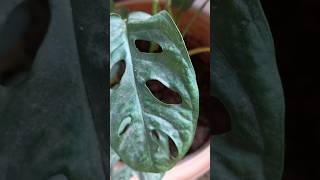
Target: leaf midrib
138,94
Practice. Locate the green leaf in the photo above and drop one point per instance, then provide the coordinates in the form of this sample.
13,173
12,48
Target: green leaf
12,25
53,122
246,80
141,125
111,6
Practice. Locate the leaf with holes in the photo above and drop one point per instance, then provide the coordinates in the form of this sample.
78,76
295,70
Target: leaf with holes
155,102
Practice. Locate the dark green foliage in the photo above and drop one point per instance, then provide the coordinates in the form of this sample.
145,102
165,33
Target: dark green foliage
245,79
53,121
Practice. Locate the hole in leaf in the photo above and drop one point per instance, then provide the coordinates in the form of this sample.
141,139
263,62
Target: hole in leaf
124,126
117,72
173,149
155,134
163,93
148,46
21,36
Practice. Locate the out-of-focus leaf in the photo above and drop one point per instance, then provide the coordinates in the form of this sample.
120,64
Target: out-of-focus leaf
12,24
246,80
53,124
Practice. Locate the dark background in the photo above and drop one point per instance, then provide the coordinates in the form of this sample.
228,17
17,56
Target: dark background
296,29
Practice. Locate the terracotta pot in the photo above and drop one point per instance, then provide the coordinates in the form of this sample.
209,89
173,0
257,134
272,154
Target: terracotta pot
197,163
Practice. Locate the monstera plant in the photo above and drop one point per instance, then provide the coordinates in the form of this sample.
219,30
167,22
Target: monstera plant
53,92
148,132
143,127
244,78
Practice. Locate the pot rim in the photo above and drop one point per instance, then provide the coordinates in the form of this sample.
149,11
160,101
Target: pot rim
194,6
189,167
195,169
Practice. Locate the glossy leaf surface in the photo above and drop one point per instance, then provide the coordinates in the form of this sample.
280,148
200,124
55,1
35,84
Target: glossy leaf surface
246,80
141,125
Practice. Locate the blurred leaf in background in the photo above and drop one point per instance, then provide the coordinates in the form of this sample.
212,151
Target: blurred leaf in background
53,120
244,77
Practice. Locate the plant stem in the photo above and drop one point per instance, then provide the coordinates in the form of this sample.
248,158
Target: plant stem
196,51
194,17
169,7
155,6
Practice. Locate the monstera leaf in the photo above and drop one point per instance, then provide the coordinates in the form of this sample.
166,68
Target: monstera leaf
53,121
245,78
147,133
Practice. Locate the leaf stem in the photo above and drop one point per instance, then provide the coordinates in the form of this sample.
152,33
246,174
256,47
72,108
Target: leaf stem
200,50
194,17
155,6
169,7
